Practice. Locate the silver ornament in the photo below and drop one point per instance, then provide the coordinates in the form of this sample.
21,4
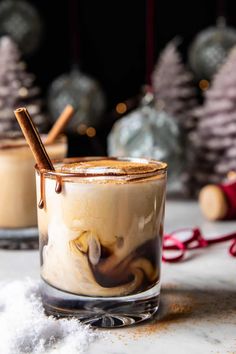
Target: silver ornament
210,48
146,132
83,93
21,21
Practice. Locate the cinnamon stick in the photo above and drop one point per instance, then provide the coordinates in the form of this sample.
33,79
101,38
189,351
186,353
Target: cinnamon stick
33,139
60,124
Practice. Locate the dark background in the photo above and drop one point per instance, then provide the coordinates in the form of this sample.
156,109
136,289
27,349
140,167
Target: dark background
111,38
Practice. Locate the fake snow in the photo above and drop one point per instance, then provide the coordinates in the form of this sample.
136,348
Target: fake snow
24,328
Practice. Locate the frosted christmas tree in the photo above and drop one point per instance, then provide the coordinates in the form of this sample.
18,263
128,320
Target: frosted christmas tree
17,89
215,137
173,86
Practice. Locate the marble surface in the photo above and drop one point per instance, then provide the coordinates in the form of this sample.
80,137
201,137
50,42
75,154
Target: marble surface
198,296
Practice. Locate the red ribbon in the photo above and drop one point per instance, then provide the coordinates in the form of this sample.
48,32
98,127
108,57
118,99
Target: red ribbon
194,240
149,40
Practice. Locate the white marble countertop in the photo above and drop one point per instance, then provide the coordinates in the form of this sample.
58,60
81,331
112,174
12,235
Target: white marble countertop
198,296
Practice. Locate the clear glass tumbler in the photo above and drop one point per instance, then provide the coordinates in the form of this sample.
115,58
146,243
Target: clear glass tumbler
101,224
17,180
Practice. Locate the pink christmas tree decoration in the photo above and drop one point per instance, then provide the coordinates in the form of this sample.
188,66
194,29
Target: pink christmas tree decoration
173,86
215,137
17,89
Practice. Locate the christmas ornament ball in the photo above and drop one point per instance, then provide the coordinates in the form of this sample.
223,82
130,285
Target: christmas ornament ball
210,48
20,20
83,93
146,132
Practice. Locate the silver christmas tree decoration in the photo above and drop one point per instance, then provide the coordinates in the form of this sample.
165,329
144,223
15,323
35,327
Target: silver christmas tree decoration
215,137
210,48
173,86
17,89
146,132
83,93
20,20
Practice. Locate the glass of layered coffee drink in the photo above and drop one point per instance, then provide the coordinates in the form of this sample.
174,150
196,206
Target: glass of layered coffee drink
17,182
101,224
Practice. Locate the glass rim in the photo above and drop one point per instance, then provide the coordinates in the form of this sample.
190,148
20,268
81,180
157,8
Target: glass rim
160,169
62,138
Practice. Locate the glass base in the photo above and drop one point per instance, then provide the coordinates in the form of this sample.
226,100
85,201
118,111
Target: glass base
19,238
109,312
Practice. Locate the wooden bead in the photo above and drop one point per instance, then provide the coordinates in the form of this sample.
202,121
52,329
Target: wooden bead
213,203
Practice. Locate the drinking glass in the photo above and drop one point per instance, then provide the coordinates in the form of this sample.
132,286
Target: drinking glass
100,222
